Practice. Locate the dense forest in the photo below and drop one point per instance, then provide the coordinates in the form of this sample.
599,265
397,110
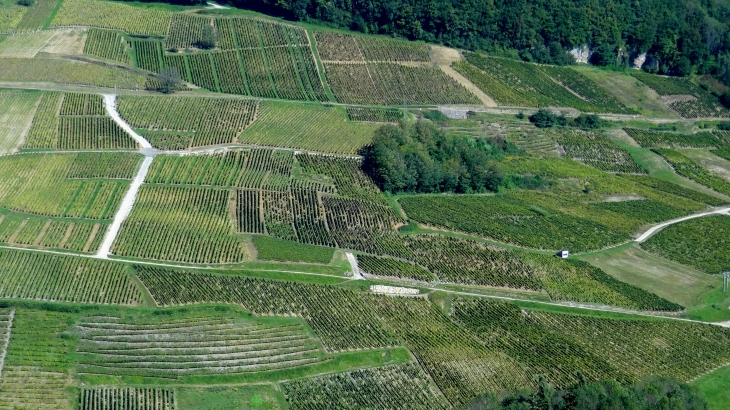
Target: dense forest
654,393
681,36
422,158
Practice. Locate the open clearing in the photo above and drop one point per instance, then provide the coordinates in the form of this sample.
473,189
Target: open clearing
673,281
16,116
716,165
29,45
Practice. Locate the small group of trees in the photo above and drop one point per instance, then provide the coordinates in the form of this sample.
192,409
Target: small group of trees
208,38
554,54
654,393
422,158
547,119
169,80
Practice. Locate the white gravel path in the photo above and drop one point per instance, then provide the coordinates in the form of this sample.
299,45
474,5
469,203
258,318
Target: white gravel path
124,209
353,264
654,229
111,109
128,202
212,5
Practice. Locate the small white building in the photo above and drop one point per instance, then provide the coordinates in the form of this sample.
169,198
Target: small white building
564,253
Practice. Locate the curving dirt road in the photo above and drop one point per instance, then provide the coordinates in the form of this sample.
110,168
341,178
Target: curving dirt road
654,229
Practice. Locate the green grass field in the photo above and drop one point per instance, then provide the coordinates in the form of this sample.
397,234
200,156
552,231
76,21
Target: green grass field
671,280
714,387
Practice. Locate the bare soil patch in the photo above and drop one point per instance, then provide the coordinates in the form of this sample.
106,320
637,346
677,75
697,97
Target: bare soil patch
443,57
670,99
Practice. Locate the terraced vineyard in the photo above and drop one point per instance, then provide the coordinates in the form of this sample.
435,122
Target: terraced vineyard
256,57
645,210
363,70
315,128
688,168
507,220
392,267
448,354
197,219
17,110
66,194
43,131
216,270
382,115
108,45
75,121
675,189
69,72
658,139
210,120
339,317
117,16
204,346
514,83
388,83
596,150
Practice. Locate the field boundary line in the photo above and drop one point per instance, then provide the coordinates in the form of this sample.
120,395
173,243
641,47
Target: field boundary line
565,304
166,265
575,305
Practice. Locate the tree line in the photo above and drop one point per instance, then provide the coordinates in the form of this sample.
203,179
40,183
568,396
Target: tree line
682,35
653,393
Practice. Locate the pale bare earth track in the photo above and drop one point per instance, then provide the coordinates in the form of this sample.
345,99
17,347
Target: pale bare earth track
131,195
646,235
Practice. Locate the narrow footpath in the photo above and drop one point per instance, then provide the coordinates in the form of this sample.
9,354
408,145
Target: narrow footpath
353,265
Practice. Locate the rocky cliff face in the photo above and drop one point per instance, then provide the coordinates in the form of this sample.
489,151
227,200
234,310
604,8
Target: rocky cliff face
582,54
